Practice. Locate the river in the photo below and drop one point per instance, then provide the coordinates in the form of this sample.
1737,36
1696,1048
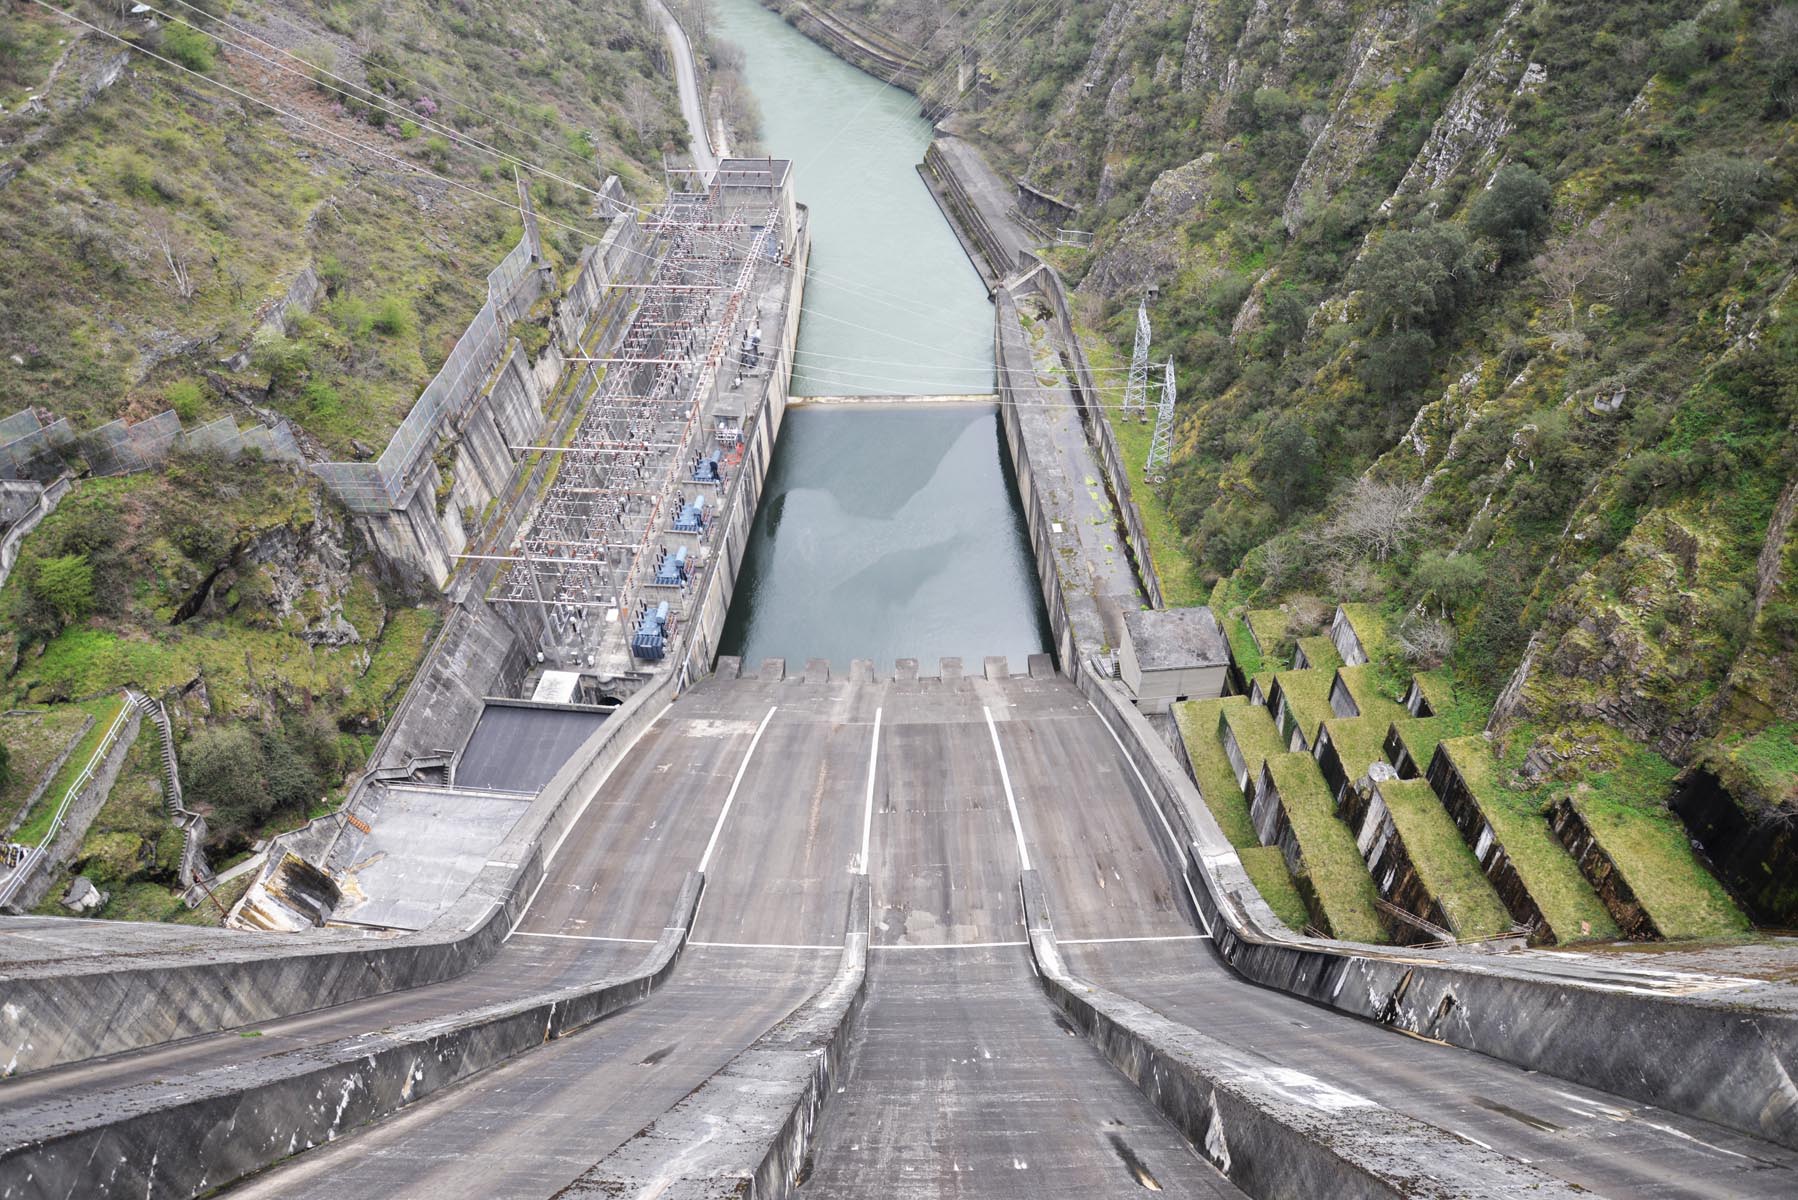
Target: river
889,531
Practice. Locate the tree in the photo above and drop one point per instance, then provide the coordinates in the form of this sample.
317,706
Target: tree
1375,518
1564,269
65,584
188,46
1415,278
1511,211
1289,462
221,771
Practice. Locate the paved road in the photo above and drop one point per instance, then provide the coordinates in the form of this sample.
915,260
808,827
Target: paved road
687,83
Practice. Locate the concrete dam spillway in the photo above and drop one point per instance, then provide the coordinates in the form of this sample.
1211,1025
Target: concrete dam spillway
894,531
810,917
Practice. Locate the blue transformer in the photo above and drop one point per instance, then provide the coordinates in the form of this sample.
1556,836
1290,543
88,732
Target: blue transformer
692,517
673,570
652,634
706,469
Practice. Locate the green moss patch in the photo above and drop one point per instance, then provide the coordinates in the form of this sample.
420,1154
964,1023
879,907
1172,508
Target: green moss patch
1333,867
1519,822
1266,869
1625,808
1270,628
1366,688
37,822
1360,742
1256,736
1197,721
1443,861
1320,652
1243,650
33,740
1307,698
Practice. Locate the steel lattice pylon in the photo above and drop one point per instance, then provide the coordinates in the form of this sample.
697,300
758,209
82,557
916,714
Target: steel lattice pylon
1136,394
1161,444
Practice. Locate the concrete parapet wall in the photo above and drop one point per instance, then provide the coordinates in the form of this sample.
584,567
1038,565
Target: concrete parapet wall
191,1134
60,1012
749,1128
1273,1131
1712,1054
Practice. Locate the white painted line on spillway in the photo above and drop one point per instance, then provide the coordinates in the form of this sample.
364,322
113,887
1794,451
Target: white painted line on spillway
1173,840
763,946
601,783
1011,801
731,797
589,937
946,945
868,804
1163,937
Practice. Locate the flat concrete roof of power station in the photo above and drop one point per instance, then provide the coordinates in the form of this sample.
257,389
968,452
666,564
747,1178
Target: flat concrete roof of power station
520,747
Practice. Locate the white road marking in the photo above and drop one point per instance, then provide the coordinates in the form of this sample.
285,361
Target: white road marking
946,945
1162,816
761,946
1011,801
1166,937
589,937
551,856
731,797
868,806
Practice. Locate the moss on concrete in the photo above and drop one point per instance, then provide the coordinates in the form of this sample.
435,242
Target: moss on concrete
1266,869
1333,867
1520,823
1307,697
1257,737
1197,721
1360,742
1320,652
1367,688
1444,863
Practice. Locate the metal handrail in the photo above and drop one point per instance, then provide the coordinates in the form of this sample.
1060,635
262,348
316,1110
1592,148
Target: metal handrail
11,886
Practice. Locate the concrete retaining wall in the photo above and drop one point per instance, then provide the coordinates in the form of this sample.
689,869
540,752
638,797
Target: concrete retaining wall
1273,1131
1601,871
195,1133
58,1013
748,1129
1716,1055
1458,800
854,43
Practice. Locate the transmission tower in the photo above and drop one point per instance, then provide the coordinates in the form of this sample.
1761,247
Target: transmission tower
1136,393
1161,443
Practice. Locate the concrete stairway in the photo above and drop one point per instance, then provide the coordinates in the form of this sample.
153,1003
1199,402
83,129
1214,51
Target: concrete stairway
194,869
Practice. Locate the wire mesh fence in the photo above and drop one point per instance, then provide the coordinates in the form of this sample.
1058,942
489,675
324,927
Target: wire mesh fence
32,450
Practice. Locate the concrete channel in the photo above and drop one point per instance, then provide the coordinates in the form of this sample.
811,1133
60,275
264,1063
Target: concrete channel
938,929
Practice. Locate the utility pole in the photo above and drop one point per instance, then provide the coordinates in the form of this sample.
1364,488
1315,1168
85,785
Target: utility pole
1161,443
1136,393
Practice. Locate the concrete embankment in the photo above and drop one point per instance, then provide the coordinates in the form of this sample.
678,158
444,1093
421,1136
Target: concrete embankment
855,43
61,1012
1706,1047
189,1134
1274,1131
750,1126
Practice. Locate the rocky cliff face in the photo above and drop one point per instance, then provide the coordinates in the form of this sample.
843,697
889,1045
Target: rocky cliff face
1530,262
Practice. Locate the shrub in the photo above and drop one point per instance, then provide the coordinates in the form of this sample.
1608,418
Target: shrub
321,400
437,151
284,361
186,398
65,584
221,770
188,46
1511,211
393,317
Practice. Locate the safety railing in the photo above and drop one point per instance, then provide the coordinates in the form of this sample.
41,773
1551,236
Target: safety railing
11,885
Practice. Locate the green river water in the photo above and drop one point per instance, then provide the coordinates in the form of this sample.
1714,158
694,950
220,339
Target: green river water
889,531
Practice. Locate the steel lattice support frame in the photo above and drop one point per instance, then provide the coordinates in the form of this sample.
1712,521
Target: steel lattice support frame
1161,442
595,543
1136,391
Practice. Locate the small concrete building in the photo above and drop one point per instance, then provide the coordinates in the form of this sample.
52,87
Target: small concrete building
1173,654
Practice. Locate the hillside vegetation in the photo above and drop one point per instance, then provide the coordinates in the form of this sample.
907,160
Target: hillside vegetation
268,209
1482,312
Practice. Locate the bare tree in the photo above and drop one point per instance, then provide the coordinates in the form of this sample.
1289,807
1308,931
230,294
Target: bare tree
642,111
1375,518
1564,269
1427,641
174,250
